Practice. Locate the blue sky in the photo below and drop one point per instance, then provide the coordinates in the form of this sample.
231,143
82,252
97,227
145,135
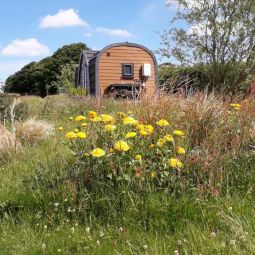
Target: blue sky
33,29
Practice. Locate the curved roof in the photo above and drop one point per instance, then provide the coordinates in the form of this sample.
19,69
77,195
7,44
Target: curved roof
98,55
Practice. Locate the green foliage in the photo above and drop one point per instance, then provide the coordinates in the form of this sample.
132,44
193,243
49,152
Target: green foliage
43,78
218,37
72,91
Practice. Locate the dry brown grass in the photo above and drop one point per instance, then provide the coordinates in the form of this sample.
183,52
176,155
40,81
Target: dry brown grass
32,131
8,142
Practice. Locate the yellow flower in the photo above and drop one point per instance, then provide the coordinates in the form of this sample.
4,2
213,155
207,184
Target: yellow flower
143,132
106,118
84,124
70,118
111,150
163,123
97,153
81,135
122,115
92,114
153,174
121,146
148,128
180,150
235,105
179,133
129,121
86,154
110,127
138,157
71,135
175,163
168,138
60,128
95,119
130,134
160,142
76,130
152,146
80,118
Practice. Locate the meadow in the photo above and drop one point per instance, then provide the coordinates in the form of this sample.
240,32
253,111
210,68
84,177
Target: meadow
170,175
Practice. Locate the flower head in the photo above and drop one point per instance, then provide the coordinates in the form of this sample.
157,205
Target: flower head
92,114
96,119
129,121
80,118
71,135
138,157
60,128
106,118
110,127
76,130
81,135
122,115
179,133
236,107
180,150
130,134
160,142
163,123
84,124
121,146
175,163
153,174
98,153
143,132
70,118
168,138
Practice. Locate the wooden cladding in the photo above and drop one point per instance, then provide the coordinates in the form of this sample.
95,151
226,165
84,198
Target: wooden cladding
111,67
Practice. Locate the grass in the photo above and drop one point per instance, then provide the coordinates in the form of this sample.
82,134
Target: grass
214,214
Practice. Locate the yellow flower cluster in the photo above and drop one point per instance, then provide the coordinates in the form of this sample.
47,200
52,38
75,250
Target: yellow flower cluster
126,136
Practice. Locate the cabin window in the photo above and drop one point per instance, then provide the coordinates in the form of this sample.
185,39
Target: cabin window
127,70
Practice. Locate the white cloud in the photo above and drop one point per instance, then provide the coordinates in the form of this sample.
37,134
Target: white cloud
10,67
114,32
29,47
63,18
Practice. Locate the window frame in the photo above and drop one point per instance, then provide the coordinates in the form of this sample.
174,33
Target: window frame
125,75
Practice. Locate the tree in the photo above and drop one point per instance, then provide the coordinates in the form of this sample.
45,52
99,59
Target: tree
41,78
218,35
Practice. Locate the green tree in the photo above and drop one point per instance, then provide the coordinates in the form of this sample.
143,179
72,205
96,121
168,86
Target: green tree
216,34
41,78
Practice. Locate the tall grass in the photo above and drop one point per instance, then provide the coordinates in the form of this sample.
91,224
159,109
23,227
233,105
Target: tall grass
43,211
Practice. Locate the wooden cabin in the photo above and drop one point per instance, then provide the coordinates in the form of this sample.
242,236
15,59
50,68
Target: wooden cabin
120,70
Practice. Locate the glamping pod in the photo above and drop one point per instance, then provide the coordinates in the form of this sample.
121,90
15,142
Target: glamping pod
121,70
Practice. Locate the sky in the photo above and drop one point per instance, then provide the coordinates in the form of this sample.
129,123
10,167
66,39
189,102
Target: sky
31,29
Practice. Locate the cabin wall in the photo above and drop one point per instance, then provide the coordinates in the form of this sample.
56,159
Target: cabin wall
110,67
